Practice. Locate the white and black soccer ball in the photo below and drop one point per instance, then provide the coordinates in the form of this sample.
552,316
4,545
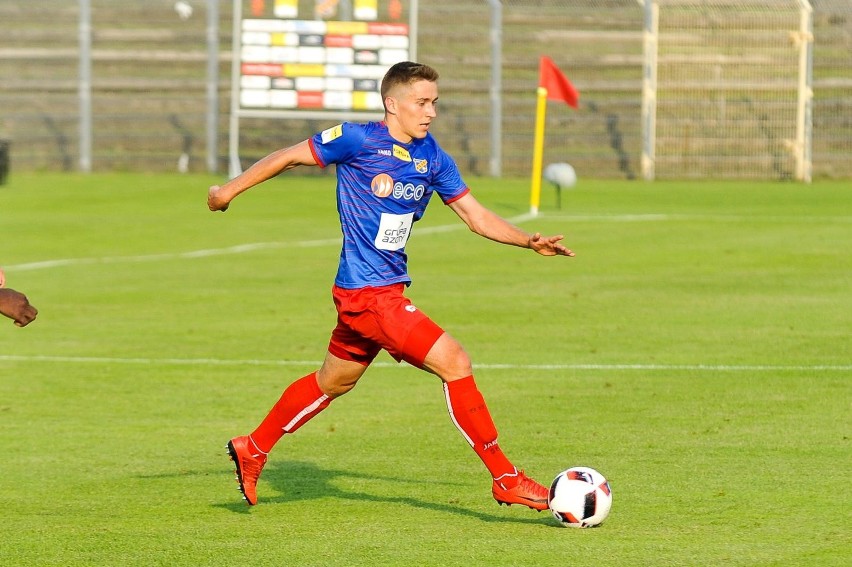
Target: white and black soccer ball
580,497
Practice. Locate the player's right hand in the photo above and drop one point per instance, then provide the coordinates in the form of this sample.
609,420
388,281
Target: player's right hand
215,201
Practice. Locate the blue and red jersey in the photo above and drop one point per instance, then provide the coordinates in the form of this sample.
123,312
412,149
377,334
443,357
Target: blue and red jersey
383,187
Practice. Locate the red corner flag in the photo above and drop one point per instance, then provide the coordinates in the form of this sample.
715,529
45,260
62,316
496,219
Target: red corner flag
558,86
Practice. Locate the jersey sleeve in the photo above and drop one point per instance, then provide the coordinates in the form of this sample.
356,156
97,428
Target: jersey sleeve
336,144
447,181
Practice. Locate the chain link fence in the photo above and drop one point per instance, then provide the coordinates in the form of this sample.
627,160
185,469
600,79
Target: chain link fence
149,81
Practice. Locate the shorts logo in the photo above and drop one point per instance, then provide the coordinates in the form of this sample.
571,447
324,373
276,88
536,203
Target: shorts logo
332,133
382,185
410,308
421,165
401,153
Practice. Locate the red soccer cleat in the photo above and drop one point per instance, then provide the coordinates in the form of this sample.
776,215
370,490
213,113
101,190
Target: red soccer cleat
527,493
249,464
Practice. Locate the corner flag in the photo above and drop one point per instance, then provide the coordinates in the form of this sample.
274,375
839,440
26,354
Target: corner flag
552,85
558,86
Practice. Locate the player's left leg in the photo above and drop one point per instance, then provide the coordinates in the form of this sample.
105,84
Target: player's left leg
409,334
470,415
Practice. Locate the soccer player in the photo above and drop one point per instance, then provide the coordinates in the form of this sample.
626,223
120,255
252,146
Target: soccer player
386,173
15,305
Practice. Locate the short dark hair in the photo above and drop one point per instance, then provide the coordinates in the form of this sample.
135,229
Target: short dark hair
405,73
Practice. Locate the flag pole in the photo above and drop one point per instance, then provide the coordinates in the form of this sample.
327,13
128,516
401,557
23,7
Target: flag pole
538,151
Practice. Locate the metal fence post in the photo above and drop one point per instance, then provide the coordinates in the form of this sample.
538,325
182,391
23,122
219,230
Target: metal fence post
212,85
85,85
649,89
495,163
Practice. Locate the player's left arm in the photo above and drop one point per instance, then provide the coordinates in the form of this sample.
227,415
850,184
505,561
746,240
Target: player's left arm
487,223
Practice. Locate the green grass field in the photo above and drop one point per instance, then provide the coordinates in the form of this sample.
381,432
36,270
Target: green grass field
696,351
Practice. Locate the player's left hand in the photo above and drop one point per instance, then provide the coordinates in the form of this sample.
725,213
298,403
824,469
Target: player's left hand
549,245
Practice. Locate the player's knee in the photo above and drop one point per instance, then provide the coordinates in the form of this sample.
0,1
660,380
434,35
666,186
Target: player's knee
337,376
459,362
449,360
335,386
463,366
335,389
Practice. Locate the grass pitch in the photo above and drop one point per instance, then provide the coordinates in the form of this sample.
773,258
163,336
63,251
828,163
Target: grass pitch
696,351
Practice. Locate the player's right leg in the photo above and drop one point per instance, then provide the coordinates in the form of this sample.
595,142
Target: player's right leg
300,402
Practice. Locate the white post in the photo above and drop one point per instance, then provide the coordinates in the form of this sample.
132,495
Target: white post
212,85
85,85
495,163
650,38
234,166
413,28
804,118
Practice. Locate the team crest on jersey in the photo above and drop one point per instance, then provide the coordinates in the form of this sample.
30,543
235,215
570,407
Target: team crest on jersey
421,165
401,153
332,133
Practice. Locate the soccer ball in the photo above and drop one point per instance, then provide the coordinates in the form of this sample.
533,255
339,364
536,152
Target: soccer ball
580,497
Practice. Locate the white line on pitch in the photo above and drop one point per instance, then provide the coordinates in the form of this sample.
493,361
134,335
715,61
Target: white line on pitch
315,363
654,217
205,253
238,249
251,247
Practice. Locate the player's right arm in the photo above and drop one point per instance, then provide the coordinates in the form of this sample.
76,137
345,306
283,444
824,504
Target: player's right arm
219,197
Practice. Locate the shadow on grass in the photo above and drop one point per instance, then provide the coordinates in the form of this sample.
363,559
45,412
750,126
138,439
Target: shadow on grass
300,481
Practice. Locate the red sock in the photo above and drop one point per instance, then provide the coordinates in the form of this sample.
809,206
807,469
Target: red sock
470,415
301,401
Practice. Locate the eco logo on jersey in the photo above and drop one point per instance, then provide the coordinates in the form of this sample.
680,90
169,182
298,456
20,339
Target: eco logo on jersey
382,185
401,153
421,165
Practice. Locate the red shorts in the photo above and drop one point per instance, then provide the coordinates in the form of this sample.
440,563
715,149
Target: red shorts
370,319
